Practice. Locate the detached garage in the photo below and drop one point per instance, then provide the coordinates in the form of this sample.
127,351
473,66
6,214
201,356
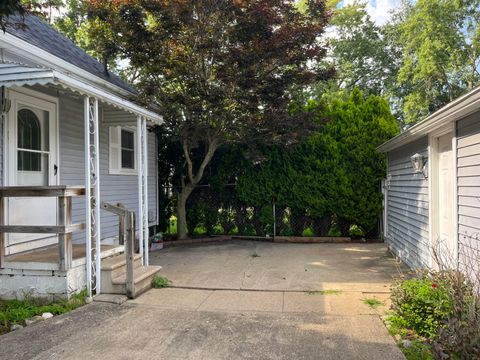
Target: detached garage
432,189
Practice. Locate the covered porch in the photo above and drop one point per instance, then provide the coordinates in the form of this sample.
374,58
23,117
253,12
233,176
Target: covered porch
61,220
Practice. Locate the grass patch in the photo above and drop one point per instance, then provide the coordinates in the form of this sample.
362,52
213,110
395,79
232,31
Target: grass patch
418,350
16,311
373,302
325,292
159,282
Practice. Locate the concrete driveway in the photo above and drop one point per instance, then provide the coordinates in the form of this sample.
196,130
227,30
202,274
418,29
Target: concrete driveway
276,266
236,300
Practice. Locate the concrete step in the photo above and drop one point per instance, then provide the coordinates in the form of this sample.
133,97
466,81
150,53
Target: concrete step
115,266
142,279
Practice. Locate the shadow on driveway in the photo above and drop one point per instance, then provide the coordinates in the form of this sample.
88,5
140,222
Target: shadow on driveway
236,300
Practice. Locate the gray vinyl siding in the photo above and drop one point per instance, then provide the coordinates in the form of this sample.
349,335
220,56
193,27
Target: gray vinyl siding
407,206
468,173
113,188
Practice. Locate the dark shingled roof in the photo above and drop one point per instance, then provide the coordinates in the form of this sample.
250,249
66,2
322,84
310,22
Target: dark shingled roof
37,32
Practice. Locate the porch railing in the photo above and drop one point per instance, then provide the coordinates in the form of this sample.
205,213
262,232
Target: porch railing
126,220
64,227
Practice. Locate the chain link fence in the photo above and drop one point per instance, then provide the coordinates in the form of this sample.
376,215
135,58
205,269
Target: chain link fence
218,211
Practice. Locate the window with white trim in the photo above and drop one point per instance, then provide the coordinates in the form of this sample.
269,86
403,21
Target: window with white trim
122,150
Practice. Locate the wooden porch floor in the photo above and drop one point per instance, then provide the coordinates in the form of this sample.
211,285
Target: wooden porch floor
51,255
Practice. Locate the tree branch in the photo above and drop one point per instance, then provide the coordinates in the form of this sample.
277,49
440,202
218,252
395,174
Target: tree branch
212,147
186,152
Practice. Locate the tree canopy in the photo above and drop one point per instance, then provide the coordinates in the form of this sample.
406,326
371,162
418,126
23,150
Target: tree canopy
440,46
221,70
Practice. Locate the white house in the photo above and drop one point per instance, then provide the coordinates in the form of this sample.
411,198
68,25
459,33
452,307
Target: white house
69,128
432,192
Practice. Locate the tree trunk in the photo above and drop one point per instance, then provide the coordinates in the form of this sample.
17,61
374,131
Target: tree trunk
240,219
298,222
182,212
257,223
321,226
193,180
344,227
279,217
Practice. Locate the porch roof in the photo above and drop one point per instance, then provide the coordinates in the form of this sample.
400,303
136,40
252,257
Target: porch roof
16,74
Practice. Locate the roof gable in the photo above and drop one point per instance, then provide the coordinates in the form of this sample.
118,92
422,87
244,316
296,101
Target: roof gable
40,34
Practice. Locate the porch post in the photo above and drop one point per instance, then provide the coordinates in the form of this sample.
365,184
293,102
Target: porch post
92,195
95,155
140,186
145,189
88,204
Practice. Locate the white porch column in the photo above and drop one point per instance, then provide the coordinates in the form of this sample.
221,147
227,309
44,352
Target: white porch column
92,195
145,188
142,168
139,167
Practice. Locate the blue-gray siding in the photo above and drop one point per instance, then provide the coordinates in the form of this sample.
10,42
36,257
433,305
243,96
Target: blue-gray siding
468,172
407,206
114,188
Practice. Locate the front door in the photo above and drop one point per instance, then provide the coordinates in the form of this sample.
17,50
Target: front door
445,196
32,147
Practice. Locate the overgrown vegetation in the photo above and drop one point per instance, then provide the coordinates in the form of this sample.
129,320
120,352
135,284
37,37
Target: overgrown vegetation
326,185
437,313
17,311
159,282
421,304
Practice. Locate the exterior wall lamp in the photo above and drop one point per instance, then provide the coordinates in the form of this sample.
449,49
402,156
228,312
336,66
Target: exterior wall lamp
419,163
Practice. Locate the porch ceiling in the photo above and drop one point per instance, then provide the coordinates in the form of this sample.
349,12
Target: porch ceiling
14,74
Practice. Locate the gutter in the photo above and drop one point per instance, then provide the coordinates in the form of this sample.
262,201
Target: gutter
105,96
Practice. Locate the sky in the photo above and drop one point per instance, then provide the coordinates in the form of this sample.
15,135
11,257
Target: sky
379,10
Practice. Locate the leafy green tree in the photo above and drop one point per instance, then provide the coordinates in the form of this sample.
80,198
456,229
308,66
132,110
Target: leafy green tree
335,173
9,8
359,126
441,54
43,8
221,70
360,51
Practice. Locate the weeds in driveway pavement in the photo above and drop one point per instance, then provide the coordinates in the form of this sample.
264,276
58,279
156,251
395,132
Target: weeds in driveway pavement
373,302
159,282
324,292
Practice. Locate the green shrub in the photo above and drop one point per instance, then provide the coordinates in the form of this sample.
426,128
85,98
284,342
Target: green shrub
441,306
422,305
460,337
